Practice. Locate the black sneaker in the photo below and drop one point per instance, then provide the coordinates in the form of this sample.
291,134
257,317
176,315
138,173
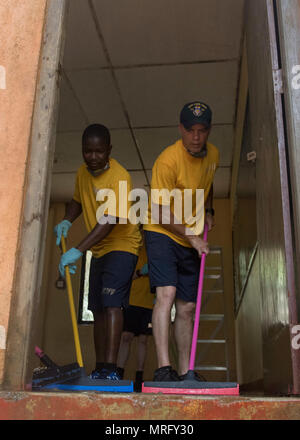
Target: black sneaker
165,374
192,375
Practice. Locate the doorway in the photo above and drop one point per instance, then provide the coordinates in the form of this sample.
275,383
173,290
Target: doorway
132,69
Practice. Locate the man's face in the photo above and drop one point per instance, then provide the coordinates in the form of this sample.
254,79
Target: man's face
95,153
194,138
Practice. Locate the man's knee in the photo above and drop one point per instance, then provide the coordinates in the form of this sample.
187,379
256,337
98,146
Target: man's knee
113,311
185,310
142,339
127,337
165,296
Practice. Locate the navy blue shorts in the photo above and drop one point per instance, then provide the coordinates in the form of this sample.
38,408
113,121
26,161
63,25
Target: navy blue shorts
171,264
137,320
110,280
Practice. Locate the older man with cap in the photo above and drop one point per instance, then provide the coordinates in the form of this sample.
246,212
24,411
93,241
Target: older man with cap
173,248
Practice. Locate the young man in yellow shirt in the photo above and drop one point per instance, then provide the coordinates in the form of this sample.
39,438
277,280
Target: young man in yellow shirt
113,240
173,249
137,320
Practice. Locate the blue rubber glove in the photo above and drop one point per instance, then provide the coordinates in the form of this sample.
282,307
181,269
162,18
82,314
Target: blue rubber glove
67,259
62,229
144,270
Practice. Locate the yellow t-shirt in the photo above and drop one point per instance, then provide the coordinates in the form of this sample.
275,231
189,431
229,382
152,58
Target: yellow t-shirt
140,293
123,237
175,168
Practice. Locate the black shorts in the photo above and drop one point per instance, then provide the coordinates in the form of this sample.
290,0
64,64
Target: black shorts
110,280
137,320
171,264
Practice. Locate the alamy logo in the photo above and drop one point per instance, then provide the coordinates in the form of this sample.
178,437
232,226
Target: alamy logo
187,207
296,77
296,338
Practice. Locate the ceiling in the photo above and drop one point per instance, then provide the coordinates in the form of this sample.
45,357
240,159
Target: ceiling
131,65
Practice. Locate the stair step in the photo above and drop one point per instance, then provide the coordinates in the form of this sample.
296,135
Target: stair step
211,341
213,268
213,291
211,368
214,251
211,317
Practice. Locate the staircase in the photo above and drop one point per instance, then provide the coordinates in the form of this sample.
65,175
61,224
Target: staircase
212,358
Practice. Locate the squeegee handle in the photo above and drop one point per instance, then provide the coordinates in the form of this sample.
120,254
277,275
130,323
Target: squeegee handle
72,308
198,305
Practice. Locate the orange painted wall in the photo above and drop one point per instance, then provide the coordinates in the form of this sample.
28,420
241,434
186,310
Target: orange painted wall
20,35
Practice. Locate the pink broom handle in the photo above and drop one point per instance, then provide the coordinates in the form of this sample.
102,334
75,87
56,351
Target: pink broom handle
198,305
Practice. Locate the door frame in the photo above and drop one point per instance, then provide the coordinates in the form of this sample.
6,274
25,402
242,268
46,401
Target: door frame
29,259
265,87
289,33
285,119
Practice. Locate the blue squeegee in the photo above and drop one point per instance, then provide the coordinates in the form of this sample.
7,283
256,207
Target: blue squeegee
72,377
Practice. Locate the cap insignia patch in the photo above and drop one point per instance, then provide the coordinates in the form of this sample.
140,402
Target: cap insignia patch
198,109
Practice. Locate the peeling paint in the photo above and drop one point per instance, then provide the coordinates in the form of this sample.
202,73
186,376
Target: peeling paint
30,406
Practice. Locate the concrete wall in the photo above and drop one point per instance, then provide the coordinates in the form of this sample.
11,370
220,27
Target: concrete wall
20,36
249,331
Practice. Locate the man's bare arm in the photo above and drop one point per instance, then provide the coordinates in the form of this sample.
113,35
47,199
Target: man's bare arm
95,236
210,198
179,229
209,218
73,210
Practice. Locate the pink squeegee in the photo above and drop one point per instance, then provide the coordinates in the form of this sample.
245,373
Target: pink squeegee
198,305
191,385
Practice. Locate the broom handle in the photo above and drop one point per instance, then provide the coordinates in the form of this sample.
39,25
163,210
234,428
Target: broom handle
198,305
72,308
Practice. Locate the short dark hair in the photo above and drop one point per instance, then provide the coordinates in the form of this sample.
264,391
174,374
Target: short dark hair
96,130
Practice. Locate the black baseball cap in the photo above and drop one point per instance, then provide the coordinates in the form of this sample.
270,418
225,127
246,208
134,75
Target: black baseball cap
196,112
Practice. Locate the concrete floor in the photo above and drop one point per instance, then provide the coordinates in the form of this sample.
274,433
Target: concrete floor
136,406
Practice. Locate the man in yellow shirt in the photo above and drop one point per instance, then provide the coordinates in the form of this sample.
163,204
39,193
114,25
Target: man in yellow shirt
137,320
113,240
174,249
